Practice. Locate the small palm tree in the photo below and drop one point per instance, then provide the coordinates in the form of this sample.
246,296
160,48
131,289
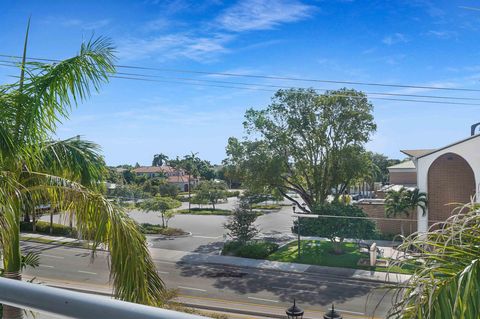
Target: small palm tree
35,170
397,204
403,202
447,270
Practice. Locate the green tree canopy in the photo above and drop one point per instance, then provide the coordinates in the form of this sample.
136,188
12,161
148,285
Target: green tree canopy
307,143
211,192
162,205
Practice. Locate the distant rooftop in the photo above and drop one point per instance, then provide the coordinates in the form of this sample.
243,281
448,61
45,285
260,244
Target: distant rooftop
417,153
154,169
408,164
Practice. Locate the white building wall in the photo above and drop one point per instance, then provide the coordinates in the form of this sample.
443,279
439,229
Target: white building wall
469,150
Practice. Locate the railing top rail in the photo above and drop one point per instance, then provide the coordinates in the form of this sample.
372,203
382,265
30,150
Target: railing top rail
66,303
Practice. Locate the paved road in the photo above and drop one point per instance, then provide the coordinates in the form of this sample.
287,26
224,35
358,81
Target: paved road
215,282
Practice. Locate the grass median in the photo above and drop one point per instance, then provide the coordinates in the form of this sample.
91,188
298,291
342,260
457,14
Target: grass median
320,253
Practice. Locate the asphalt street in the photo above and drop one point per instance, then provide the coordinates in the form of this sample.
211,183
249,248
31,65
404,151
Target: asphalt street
315,292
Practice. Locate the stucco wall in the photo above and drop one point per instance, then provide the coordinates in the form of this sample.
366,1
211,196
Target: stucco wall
403,178
392,225
469,150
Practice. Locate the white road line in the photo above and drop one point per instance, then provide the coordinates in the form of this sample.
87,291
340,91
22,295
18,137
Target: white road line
52,256
190,288
46,266
352,312
261,299
298,290
165,262
162,272
87,272
207,237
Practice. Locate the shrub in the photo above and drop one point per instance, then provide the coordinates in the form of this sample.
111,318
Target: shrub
253,249
337,229
151,229
233,193
241,225
44,228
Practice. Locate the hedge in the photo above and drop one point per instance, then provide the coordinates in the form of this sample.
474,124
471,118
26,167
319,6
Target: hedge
253,249
44,228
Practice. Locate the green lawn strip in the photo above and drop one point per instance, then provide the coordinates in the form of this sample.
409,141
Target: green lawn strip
322,255
151,229
55,242
204,211
266,206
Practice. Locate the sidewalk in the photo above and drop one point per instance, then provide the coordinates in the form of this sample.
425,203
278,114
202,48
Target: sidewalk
198,258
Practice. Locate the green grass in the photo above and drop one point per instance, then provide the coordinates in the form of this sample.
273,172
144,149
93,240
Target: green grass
266,206
55,242
151,229
204,211
322,255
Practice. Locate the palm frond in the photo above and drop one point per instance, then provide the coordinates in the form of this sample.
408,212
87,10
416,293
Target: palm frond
74,158
447,261
133,272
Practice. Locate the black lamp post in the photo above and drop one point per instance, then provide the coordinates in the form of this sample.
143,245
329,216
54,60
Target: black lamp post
294,312
332,314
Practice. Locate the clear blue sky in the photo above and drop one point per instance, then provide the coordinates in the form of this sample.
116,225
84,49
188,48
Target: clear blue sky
419,42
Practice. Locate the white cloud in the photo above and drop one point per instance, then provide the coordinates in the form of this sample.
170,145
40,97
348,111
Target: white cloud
442,34
395,38
262,14
172,46
86,25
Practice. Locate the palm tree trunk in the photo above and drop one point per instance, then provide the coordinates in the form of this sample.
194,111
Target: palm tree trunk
10,312
34,221
401,228
189,194
12,262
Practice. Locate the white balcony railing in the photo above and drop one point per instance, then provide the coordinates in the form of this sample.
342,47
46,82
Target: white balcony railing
66,303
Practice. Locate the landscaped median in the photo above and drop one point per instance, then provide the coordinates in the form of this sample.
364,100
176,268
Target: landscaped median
321,253
203,211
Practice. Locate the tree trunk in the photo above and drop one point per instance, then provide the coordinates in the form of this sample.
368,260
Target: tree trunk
401,228
51,222
10,312
163,220
189,194
337,246
34,221
213,204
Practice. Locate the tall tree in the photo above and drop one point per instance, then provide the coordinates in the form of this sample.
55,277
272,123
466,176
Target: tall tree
302,143
159,159
35,170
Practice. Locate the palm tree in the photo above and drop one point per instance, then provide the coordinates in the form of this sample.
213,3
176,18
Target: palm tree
35,170
396,204
159,159
447,270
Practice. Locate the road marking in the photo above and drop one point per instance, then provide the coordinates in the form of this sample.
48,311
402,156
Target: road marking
299,290
352,312
162,272
53,256
190,288
46,266
165,262
207,237
87,272
261,299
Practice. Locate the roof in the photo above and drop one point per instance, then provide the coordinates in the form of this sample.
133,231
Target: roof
417,153
178,179
154,169
408,164
450,145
